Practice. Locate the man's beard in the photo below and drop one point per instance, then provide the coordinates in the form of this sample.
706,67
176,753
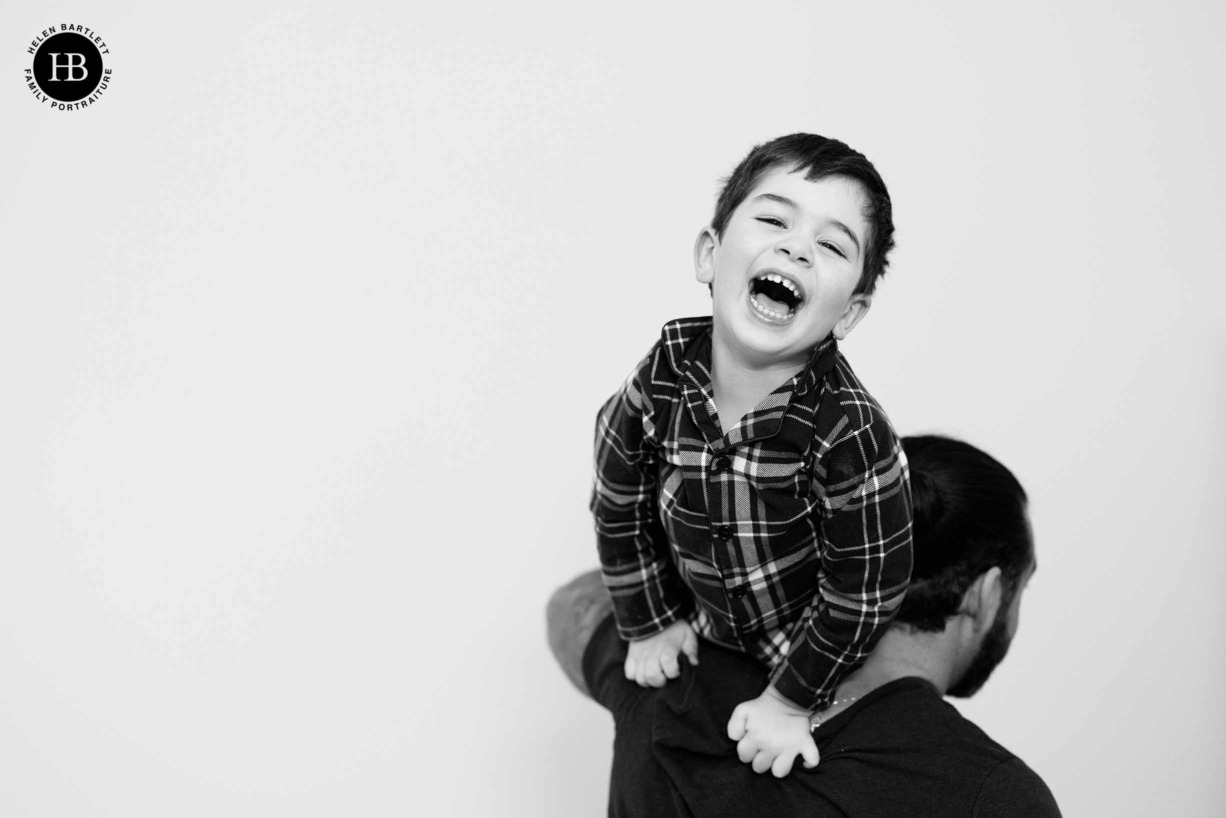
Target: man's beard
993,648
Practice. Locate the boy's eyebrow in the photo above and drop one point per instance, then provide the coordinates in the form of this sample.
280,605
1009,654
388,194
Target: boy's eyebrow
784,200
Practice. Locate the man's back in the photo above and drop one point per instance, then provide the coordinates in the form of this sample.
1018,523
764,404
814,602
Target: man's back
900,750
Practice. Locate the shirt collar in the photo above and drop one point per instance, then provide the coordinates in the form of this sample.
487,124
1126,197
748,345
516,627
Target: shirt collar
821,361
688,340
679,337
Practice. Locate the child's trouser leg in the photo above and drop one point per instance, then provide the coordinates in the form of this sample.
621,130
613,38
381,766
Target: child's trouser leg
571,616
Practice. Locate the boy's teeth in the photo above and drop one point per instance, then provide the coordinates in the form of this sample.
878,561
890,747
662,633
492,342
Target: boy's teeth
778,279
778,310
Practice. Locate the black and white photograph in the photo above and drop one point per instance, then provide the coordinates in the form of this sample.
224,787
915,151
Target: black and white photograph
661,409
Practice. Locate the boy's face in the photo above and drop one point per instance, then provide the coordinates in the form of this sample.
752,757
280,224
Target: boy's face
784,273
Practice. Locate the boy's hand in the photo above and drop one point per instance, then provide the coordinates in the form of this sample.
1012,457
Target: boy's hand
651,661
770,732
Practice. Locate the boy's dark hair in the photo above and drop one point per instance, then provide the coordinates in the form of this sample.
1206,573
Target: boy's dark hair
818,157
969,515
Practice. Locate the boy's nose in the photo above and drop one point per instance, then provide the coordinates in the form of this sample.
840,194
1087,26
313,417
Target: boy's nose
796,249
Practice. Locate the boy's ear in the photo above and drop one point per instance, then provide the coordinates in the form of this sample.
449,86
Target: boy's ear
857,308
705,248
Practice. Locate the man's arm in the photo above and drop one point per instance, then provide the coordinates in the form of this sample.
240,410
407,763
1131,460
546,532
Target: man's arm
865,540
571,618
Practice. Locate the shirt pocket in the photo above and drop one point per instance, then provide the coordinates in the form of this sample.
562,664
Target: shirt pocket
783,494
779,475
682,505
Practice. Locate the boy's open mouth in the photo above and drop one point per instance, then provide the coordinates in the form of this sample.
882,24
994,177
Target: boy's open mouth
774,296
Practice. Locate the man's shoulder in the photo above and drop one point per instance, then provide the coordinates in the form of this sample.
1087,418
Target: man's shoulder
939,762
1013,789
1009,787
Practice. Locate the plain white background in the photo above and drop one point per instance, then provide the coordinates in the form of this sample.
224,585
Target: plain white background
304,325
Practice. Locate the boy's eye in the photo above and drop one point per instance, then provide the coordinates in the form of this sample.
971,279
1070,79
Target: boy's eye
772,220
834,247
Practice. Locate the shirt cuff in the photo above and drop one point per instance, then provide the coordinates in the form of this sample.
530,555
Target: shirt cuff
789,684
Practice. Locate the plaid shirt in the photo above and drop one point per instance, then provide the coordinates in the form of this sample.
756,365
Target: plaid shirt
790,536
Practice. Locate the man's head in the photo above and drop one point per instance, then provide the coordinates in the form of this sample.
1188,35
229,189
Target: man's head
798,241
973,547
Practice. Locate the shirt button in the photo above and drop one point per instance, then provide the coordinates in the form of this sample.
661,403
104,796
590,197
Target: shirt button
720,463
739,591
724,532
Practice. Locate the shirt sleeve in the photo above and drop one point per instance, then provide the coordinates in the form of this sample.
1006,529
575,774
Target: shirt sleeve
646,593
1013,790
865,542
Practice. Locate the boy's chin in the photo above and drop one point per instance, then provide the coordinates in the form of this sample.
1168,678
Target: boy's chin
769,344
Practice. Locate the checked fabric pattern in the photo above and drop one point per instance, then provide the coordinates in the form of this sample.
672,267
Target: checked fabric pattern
788,538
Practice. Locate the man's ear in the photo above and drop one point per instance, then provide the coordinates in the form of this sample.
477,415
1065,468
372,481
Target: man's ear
857,308
982,600
706,248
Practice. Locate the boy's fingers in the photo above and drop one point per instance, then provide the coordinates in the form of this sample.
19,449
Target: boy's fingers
653,675
690,646
808,751
736,725
746,750
631,669
762,762
782,765
668,664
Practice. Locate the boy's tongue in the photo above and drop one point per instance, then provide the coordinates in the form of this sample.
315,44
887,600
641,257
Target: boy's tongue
771,304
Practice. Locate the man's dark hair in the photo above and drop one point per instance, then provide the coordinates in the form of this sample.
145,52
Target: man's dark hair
969,515
819,157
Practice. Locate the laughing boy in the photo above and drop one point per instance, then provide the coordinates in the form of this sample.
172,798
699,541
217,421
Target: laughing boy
748,489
